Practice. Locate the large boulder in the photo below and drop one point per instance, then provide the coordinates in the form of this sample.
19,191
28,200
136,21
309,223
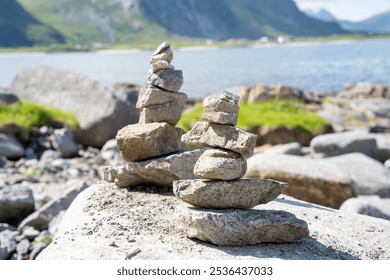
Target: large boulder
99,111
335,144
369,176
109,223
311,180
370,205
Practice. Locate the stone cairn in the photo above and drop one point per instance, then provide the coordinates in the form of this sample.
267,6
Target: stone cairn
220,199
155,135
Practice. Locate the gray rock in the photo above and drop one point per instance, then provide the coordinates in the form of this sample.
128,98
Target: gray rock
7,243
168,79
22,248
150,95
159,65
143,227
215,194
99,112
383,144
62,141
366,90
316,181
110,151
55,222
369,176
286,149
240,227
10,147
8,98
372,206
168,112
160,171
16,202
29,232
37,249
4,226
41,218
163,46
222,136
220,164
144,141
165,54
220,111
48,156
343,143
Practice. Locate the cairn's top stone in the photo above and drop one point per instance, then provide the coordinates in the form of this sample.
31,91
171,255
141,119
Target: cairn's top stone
162,53
229,97
162,47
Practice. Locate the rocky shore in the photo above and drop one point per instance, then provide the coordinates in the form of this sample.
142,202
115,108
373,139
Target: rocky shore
337,179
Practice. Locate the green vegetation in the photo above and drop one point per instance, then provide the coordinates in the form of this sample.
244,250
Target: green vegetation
270,113
28,115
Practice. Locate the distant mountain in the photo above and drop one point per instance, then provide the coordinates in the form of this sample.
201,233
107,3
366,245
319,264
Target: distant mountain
125,21
18,28
321,14
377,24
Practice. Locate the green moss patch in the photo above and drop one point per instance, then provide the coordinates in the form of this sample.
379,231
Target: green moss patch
271,113
28,115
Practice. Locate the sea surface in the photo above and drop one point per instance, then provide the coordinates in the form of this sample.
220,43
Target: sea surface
322,67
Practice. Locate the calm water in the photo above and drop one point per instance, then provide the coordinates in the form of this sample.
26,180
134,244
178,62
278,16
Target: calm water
322,67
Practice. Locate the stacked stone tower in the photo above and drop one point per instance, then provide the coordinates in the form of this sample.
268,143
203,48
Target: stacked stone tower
220,192
161,106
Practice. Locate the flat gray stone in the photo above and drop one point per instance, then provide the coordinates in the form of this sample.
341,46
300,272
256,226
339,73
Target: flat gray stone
165,54
221,165
373,206
286,149
383,144
335,144
168,112
10,147
369,176
62,141
150,95
240,227
109,223
159,65
215,194
316,181
41,218
159,171
144,141
168,79
220,111
222,136
16,202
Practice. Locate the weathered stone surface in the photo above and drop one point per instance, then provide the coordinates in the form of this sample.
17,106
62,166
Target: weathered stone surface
240,227
99,111
343,143
159,65
10,147
220,164
62,141
167,79
222,136
168,112
215,194
7,243
311,180
373,206
383,144
143,141
160,171
150,95
220,111
163,46
16,202
41,218
369,176
102,215
110,151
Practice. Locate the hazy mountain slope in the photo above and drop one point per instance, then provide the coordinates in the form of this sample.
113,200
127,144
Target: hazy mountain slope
377,24
18,28
321,14
123,21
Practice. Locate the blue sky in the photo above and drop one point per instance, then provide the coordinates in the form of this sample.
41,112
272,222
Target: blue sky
353,10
